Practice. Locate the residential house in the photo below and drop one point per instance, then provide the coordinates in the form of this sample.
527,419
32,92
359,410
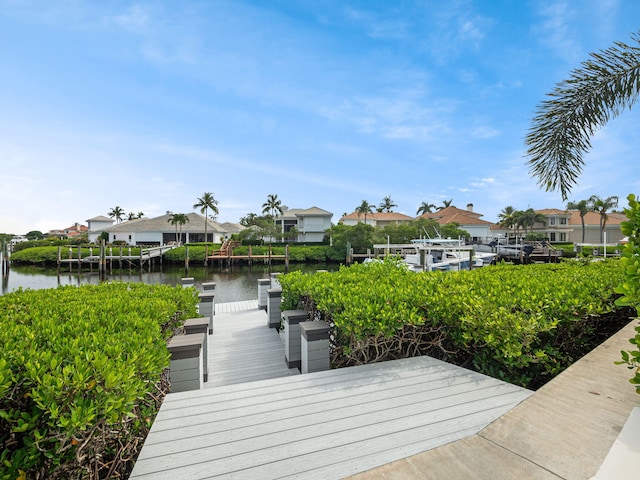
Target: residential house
468,220
159,230
377,219
73,231
310,223
97,225
565,226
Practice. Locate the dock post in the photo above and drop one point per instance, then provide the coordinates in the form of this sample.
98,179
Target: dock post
274,313
286,257
186,258
292,352
200,325
185,367
314,347
263,285
207,307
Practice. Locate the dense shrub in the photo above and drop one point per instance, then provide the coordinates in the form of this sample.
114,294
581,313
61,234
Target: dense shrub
523,323
81,375
630,289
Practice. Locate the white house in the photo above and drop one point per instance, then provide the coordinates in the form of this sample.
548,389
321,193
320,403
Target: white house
310,223
159,230
97,225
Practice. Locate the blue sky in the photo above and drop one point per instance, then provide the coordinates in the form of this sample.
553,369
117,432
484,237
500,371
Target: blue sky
147,105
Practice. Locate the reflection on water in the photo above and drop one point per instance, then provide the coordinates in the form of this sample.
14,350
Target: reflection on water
232,284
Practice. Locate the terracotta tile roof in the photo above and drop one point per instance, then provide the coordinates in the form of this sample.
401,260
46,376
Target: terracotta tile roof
593,218
453,214
552,211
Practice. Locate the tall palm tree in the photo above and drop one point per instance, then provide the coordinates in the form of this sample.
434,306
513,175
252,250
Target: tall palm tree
117,213
273,206
178,219
364,208
581,206
602,206
425,208
386,205
605,85
205,203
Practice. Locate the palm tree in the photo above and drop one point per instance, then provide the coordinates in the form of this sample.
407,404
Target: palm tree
528,218
445,204
206,203
117,213
364,208
272,206
178,219
249,220
508,217
386,205
601,206
605,85
425,208
581,206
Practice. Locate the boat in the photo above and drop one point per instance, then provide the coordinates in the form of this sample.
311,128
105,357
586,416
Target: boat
429,254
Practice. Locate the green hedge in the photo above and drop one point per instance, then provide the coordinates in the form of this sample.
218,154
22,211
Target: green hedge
520,323
80,369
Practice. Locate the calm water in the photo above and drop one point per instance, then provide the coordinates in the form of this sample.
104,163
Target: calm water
232,285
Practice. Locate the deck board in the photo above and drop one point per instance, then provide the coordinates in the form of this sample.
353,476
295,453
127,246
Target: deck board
232,357
322,425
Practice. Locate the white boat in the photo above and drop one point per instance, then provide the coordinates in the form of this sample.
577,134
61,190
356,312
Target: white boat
428,254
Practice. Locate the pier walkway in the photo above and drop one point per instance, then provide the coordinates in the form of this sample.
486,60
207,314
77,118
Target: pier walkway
416,418
255,418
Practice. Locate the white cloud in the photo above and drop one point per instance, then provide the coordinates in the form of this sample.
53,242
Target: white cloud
135,19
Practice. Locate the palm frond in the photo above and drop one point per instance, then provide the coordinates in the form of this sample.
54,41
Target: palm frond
605,85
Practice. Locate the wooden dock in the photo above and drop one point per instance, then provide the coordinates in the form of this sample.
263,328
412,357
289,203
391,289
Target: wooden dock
106,256
227,255
332,424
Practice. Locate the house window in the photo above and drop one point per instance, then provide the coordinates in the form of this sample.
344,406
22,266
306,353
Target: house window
552,236
563,221
552,221
563,237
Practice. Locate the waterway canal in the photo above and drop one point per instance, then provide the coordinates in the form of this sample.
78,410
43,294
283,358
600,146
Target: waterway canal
232,284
